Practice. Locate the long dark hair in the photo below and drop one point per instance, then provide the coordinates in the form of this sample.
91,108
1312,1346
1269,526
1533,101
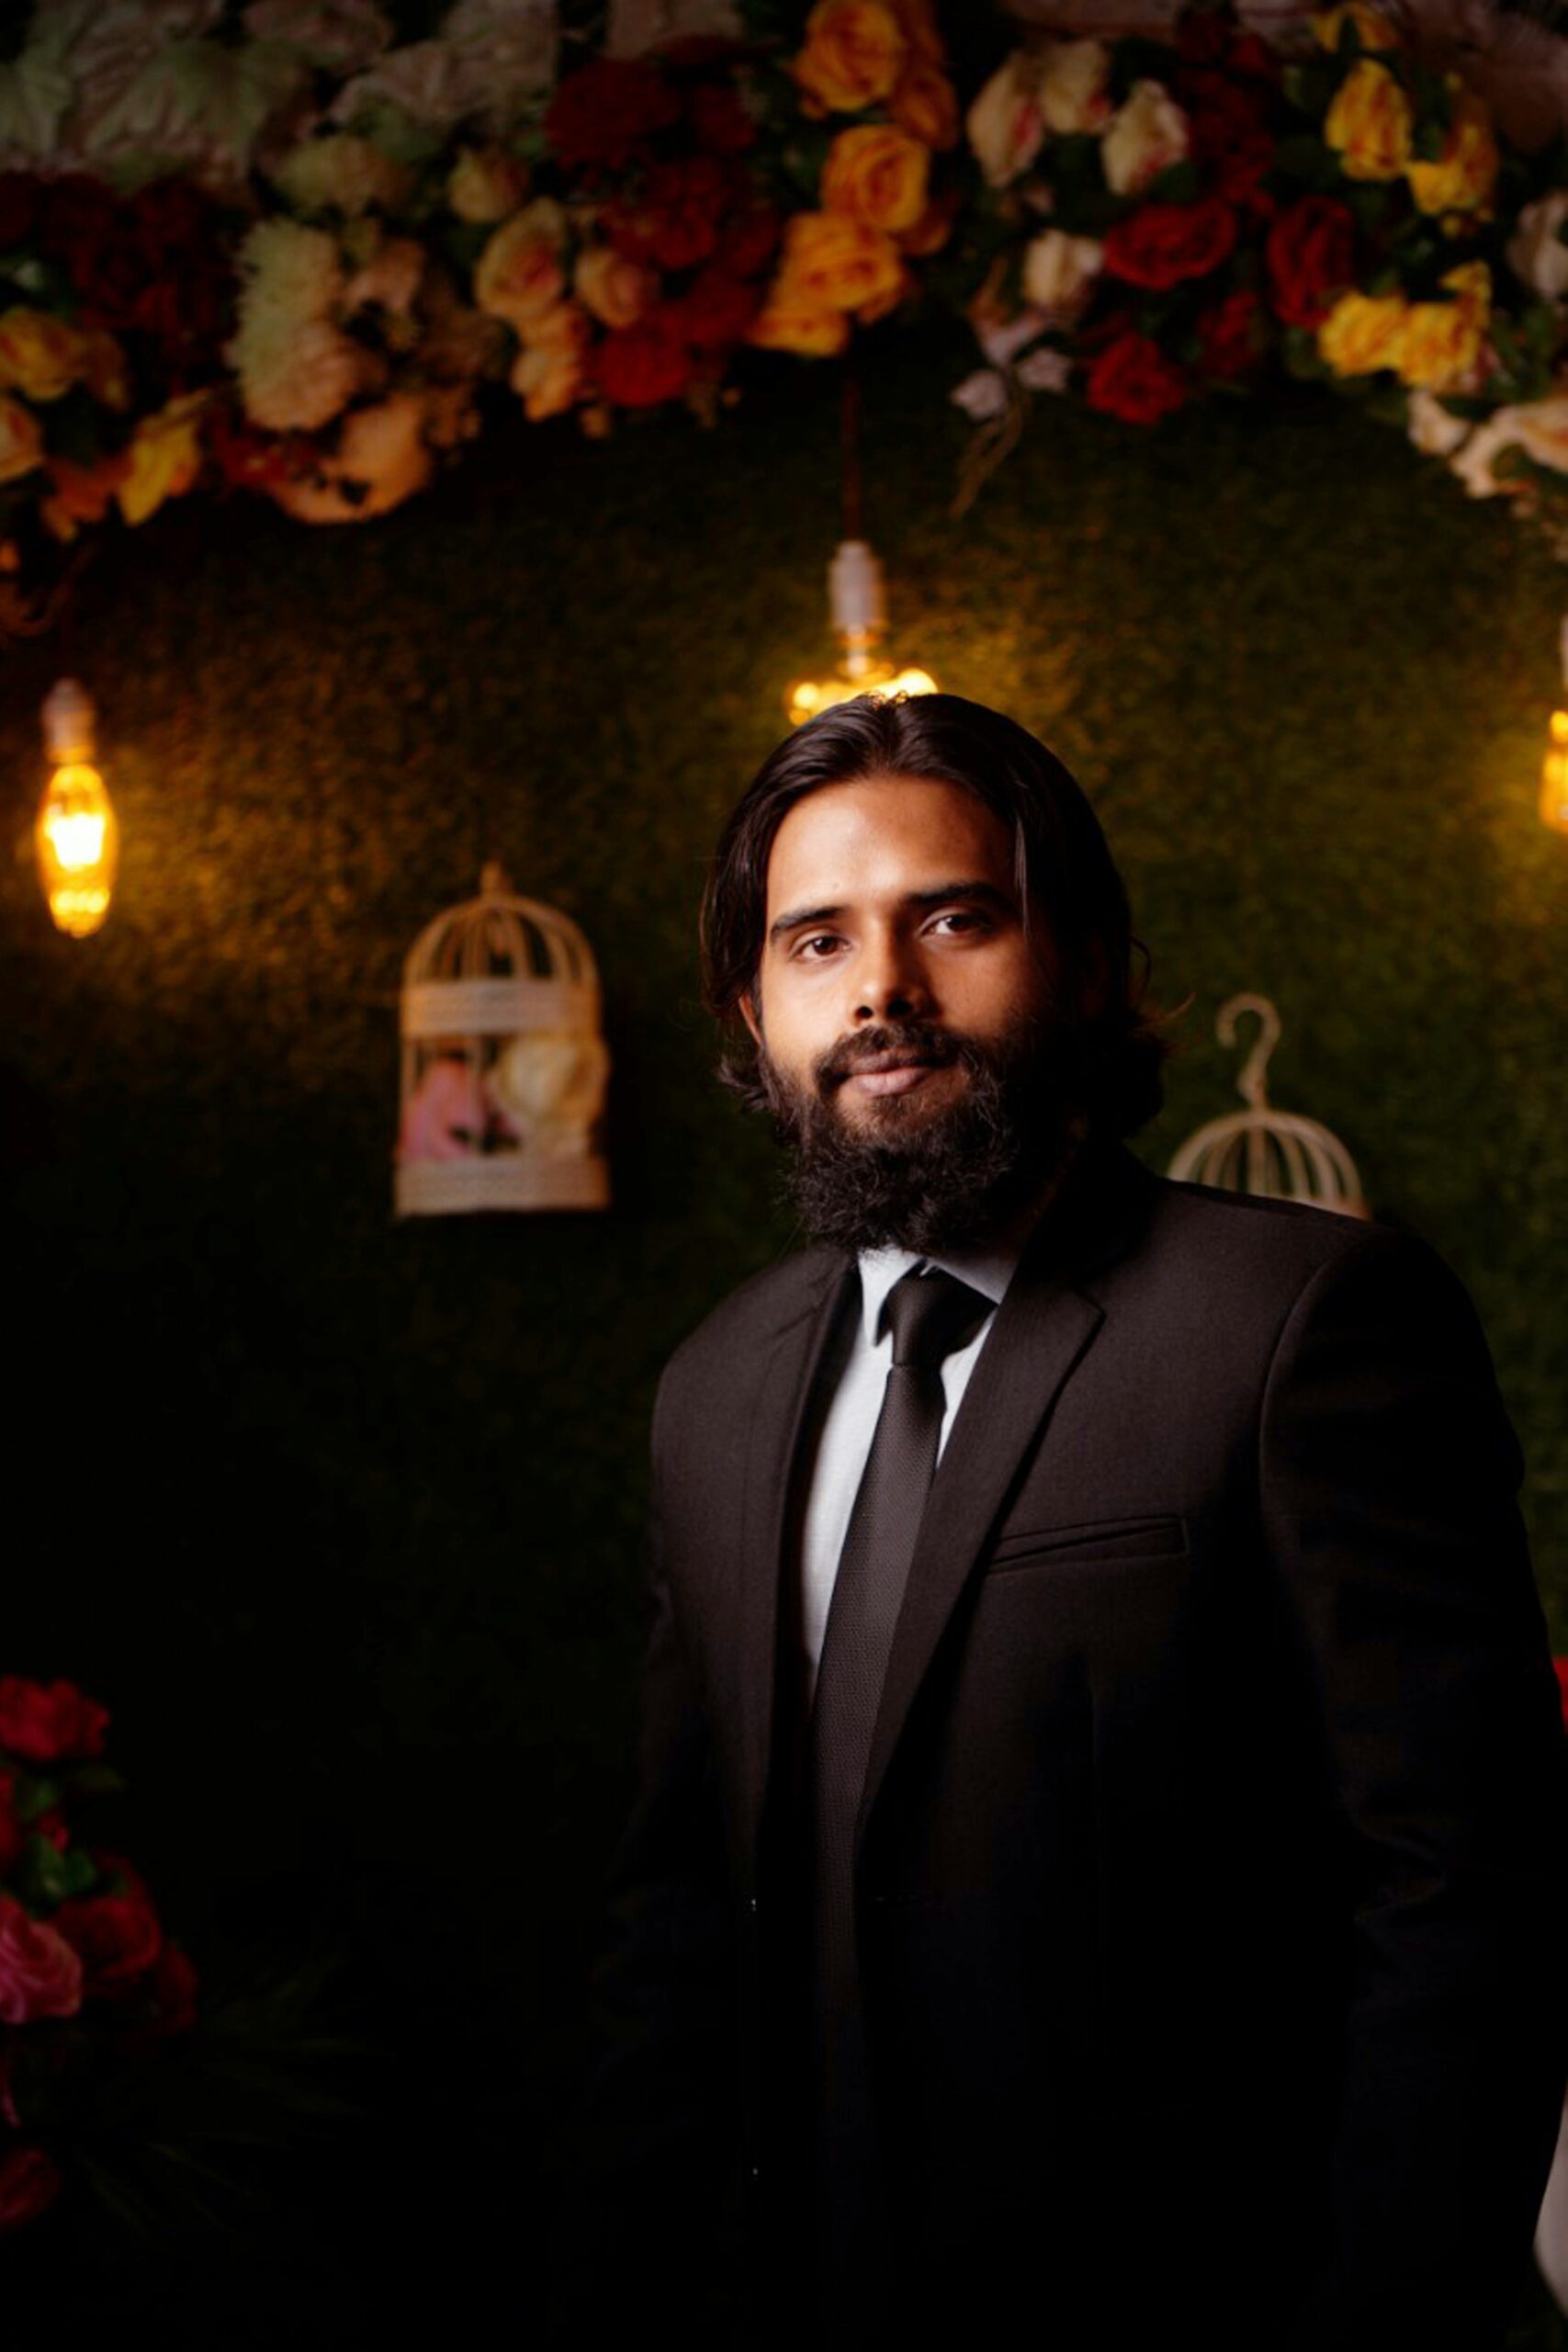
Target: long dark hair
1114,1037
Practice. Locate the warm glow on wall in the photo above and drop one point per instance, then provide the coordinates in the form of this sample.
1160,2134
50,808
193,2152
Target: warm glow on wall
1555,776
858,601
77,836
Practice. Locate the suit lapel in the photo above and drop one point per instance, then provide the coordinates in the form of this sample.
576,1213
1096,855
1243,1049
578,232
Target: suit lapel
1044,1327
789,1368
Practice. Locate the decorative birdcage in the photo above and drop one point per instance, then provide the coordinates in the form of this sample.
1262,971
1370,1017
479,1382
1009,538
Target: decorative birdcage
1264,1150
503,1065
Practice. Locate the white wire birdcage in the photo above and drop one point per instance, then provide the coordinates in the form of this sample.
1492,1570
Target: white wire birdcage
1264,1150
503,1065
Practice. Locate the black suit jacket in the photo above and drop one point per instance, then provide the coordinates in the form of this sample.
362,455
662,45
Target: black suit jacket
1211,1873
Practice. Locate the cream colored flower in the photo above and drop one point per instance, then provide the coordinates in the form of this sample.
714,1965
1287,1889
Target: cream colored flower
552,1078
290,268
1005,122
1536,253
1146,134
296,375
1434,431
1072,85
381,460
520,272
390,277
1059,272
613,289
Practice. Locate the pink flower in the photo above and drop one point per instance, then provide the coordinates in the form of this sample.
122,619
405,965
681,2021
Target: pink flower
40,1976
446,1114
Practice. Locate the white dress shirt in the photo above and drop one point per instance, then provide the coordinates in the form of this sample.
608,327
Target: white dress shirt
851,1420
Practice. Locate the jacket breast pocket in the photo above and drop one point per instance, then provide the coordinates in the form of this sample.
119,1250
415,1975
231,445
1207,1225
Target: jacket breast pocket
1152,1535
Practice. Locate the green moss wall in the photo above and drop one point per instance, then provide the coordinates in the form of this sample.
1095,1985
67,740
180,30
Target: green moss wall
341,1517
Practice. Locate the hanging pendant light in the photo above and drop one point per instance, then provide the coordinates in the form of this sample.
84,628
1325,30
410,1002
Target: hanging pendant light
857,602
77,834
1554,767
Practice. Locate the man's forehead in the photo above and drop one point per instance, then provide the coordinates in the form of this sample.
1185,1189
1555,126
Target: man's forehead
886,825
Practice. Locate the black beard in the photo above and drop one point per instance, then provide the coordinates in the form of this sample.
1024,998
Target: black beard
935,1180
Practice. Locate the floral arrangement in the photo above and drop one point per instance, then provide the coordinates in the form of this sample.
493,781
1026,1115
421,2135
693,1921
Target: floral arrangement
290,254
1174,220
89,1976
543,1089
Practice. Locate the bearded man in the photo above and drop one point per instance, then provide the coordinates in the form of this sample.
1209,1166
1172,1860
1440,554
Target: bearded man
1098,1861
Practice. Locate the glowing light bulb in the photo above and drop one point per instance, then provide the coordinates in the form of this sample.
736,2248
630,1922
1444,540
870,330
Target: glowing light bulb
1555,776
858,603
77,834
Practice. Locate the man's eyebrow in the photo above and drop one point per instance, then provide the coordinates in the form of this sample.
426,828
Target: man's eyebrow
987,893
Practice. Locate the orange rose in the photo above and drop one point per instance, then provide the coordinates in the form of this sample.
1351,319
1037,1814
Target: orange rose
877,175
854,53
933,228
917,22
82,493
21,443
793,318
880,304
838,261
103,369
40,355
617,290
926,104
519,273
1462,177
1369,124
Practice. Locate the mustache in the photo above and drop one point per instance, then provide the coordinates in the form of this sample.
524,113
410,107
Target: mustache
886,1046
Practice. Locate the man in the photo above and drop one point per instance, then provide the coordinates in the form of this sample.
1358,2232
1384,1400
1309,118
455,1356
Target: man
1099,1860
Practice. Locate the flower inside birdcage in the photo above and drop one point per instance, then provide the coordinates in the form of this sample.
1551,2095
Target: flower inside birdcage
505,1069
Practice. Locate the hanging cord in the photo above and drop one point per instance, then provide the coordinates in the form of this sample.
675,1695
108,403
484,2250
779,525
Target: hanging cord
850,446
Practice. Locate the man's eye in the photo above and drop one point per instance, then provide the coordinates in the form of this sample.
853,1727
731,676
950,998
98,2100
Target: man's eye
826,940
966,917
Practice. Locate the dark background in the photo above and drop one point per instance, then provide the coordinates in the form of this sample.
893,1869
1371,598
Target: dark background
341,1517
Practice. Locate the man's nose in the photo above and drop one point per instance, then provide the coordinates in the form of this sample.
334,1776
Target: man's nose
890,982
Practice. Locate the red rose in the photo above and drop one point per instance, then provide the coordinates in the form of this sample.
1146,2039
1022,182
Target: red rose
1132,377
720,120
747,243
18,206
78,212
1232,142
40,1974
118,1937
45,1724
715,308
13,1830
639,366
1160,245
1203,35
29,2181
110,1866
1228,332
675,221
1311,253
174,1986
602,113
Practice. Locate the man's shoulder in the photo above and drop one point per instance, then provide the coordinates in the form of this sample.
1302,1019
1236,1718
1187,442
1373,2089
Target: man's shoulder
756,1311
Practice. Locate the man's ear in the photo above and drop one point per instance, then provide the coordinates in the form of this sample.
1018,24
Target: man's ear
752,1013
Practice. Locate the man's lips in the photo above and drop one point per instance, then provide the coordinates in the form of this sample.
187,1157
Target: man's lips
885,1075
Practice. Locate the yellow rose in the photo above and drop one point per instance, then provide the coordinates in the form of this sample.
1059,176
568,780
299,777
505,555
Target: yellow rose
166,458
1464,176
877,175
1369,123
839,261
40,355
21,443
854,53
796,318
925,104
1373,29
1440,342
1362,333
519,273
617,290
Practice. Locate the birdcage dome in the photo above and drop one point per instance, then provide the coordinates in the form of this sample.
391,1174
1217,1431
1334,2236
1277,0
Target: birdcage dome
504,1063
1261,1149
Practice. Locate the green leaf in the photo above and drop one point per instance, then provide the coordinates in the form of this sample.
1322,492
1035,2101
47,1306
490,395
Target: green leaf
44,1876
34,1793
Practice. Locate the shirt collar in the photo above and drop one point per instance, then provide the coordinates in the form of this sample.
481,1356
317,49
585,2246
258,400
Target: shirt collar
987,1269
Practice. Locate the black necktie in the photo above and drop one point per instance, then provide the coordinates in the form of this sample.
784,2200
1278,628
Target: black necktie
931,1313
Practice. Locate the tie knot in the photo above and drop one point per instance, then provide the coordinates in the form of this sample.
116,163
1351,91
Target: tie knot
930,1313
